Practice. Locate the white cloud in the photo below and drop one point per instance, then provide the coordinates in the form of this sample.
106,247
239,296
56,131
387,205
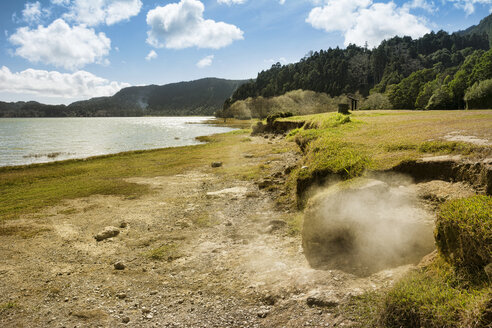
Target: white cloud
152,55
95,12
181,25
382,21
231,2
61,45
336,15
469,5
60,2
422,4
363,21
78,85
32,12
204,62
281,2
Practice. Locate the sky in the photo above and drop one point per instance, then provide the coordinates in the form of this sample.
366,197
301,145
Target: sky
60,51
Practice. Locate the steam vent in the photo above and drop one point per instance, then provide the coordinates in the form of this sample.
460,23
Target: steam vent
366,226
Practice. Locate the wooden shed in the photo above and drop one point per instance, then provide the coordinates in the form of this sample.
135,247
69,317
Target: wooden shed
354,101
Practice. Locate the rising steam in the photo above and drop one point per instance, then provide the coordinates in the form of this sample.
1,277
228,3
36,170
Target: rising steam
365,226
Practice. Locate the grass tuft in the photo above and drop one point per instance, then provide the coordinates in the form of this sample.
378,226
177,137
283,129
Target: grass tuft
464,233
167,252
433,298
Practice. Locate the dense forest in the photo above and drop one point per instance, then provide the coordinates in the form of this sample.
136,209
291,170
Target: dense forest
437,71
200,97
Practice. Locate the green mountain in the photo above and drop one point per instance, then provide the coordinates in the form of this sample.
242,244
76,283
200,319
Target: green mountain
485,26
200,97
432,72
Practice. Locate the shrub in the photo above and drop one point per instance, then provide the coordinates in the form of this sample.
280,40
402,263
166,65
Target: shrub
479,96
464,232
376,101
298,102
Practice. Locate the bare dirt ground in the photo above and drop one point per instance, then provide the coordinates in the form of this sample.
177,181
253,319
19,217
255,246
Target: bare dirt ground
198,252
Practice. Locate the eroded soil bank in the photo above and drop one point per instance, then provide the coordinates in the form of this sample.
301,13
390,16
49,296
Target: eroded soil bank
198,251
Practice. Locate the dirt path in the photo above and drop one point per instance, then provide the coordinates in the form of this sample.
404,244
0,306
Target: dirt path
198,252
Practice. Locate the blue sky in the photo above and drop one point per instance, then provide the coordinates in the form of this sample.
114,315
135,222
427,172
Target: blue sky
59,51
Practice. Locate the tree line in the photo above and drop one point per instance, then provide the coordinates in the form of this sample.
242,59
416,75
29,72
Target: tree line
433,72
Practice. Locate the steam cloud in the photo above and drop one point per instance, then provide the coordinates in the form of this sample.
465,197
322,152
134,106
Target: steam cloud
366,227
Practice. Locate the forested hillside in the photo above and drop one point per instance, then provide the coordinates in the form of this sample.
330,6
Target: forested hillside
437,71
485,26
200,97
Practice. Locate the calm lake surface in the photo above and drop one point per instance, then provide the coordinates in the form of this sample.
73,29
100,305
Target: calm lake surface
39,140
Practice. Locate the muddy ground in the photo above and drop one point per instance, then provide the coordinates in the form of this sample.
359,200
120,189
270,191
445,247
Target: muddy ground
197,252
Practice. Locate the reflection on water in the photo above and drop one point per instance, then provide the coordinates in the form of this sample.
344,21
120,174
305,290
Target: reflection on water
37,140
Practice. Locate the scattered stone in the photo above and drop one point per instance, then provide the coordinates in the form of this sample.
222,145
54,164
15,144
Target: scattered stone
108,232
228,223
149,316
123,225
269,299
125,320
121,296
263,313
216,164
248,155
304,167
119,266
154,292
145,310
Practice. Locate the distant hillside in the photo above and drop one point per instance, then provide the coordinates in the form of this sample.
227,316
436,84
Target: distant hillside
432,72
200,97
485,26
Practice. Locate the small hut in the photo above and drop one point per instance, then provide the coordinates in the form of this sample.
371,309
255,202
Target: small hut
354,101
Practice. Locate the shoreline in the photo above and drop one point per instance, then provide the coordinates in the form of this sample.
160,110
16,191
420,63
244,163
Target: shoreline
208,121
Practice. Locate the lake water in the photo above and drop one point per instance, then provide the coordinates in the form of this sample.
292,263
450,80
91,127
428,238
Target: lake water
38,140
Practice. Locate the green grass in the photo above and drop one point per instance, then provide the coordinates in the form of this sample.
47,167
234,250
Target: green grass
347,146
436,298
169,252
204,220
437,147
464,233
21,231
294,224
26,189
7,306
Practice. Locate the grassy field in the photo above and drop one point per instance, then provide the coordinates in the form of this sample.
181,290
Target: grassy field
388,137
372,140
440,295
24,189
348,146
345,145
